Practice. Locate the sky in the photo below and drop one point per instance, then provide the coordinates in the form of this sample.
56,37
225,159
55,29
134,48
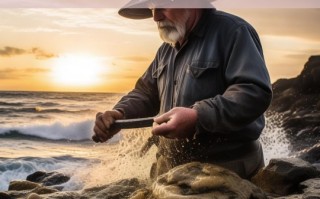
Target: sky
69,47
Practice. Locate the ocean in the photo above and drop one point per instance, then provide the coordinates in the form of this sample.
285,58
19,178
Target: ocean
51,131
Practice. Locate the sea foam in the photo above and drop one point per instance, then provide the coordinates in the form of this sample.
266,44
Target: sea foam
20,168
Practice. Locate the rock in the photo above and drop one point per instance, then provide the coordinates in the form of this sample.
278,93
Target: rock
299,98
34,196
311,187
22,185
196,180
142,194
282,85
20,189
37,176
311,154
117,190
44,190
309,76
297,196
63,195
5,196
282,176
48,179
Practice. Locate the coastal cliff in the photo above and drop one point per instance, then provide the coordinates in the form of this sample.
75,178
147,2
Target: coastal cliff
297,102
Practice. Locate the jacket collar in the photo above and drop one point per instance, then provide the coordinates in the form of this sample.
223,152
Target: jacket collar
200,29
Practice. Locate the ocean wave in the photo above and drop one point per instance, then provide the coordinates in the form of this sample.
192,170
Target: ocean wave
17,134
76,131
39,109
48,104
11,104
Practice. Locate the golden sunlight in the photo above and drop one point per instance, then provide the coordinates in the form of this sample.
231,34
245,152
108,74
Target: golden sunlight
77,70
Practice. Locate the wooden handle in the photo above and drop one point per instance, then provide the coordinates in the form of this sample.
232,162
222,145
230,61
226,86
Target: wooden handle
133,123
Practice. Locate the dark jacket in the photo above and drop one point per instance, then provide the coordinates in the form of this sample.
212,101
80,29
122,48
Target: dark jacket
220,72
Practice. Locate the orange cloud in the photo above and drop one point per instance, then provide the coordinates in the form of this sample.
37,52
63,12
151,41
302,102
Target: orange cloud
9,51
11,73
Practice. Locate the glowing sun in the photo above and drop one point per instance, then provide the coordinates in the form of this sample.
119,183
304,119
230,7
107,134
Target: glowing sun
77,70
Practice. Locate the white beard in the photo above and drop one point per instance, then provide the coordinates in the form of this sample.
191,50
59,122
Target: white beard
172,32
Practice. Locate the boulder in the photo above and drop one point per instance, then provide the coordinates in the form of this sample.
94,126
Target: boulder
282,176
59,195
203,181
311,154
48,179
20,189
5,196
22,185
117,190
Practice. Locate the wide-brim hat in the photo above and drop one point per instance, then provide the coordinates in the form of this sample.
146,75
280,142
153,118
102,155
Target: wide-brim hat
141,9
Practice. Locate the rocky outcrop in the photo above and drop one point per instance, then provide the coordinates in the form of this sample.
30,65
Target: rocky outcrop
282,178
118,190
297,100
20,189
48,179
311,154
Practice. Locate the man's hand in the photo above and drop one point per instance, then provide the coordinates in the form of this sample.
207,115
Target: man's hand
102,129
178,123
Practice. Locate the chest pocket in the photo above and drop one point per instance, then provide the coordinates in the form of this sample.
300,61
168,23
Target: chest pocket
197,69
202,80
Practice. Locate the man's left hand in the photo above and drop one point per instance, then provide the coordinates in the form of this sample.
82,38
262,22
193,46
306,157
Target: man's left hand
178,123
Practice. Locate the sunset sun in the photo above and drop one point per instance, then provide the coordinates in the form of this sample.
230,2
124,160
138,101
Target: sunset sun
77,70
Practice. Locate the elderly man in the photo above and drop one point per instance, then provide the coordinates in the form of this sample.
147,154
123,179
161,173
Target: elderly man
208,84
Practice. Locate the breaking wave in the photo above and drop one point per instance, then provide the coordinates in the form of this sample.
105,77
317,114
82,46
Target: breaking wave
57,131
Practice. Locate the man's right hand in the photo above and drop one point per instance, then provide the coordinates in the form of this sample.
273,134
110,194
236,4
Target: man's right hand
103,130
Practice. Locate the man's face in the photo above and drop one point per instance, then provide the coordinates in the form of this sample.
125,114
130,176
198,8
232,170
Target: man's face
172,23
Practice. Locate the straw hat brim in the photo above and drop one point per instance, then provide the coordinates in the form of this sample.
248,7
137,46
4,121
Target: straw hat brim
140,9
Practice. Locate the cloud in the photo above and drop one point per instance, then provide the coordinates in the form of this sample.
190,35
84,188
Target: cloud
40,54
9,51
7,73
66,20
298,23
14,73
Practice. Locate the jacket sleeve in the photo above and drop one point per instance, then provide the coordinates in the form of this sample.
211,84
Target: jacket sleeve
248,90
143,100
